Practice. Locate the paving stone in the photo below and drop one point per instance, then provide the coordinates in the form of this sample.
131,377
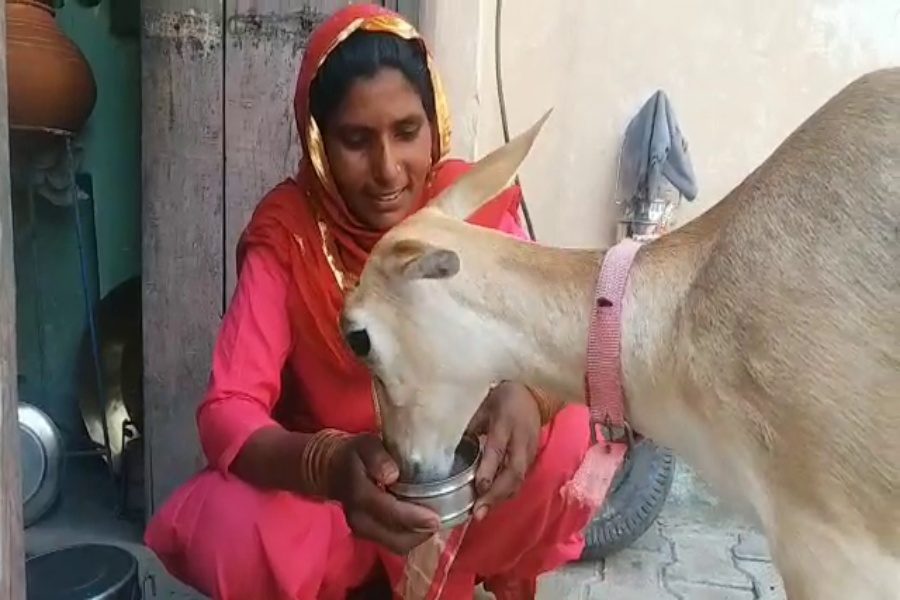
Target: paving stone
767,582
694,591
636,569
570,583
752,546
653,541
603,591
706,558
558,585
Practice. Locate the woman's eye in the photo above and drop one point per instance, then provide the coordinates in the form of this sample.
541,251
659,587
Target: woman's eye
353,138
408,134
354,142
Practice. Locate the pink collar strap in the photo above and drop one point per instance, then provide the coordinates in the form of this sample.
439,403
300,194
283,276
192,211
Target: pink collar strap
603,379
590,484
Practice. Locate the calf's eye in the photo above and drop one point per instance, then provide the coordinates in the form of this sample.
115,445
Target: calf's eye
359,342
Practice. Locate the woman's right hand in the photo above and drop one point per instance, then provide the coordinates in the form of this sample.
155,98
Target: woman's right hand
360,471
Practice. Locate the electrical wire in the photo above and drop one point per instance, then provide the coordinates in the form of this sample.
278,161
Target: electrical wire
498,67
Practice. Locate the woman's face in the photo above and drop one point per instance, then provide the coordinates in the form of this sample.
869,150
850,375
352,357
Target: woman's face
379,145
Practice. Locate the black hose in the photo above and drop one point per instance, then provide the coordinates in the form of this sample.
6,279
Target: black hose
503,121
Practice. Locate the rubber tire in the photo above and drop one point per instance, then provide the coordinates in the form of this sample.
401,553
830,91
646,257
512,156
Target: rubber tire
638,494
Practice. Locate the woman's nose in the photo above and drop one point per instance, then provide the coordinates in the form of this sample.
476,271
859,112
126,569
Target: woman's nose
386,168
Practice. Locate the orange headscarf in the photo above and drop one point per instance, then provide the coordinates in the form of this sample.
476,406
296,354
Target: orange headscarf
305,222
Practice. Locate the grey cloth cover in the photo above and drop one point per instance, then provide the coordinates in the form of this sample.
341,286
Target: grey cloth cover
654,148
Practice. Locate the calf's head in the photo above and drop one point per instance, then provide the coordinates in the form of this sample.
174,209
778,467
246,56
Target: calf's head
413,319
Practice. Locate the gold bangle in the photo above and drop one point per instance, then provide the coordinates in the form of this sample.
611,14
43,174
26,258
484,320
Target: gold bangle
315,460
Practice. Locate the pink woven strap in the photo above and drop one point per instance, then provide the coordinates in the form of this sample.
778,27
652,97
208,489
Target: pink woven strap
603,377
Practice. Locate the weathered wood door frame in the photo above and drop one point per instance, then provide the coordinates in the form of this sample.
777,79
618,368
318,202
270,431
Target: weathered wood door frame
12,534
218,131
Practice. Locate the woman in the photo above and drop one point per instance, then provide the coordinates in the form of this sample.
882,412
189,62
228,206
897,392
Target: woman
292,505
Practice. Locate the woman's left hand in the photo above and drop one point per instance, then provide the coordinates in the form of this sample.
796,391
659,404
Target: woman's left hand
510,418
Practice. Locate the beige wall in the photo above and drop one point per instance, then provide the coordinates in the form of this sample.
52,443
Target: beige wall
741,76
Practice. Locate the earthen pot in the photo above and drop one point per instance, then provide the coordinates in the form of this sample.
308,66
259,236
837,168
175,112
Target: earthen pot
49,81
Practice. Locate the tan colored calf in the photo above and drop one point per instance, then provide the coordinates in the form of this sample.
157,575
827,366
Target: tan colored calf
761,341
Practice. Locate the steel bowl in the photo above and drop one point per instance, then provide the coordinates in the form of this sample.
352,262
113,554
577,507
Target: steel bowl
451,498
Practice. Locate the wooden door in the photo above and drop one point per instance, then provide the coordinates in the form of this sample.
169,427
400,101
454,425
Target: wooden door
12,546
218,132
183,151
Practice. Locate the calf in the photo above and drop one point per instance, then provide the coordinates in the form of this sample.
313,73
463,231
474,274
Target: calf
761,341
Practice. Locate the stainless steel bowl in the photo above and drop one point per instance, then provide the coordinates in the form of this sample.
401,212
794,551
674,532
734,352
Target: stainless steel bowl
452,498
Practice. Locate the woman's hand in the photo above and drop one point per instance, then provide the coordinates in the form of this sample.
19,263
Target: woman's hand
360,471
510,417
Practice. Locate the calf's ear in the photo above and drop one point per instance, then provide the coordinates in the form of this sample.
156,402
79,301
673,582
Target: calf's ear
489,176
415,259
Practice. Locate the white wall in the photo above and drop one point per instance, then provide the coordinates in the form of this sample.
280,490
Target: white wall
741,76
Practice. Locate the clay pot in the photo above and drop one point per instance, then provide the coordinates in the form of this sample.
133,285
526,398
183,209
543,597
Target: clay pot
49,81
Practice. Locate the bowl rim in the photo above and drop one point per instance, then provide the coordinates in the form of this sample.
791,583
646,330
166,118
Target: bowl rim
442,487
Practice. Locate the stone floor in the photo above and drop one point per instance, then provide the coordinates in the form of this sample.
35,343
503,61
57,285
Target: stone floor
691,553
696,550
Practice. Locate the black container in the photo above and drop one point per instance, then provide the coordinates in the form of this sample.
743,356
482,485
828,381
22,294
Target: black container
83,572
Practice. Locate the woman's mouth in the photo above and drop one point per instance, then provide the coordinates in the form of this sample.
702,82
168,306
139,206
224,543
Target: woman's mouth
388,201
